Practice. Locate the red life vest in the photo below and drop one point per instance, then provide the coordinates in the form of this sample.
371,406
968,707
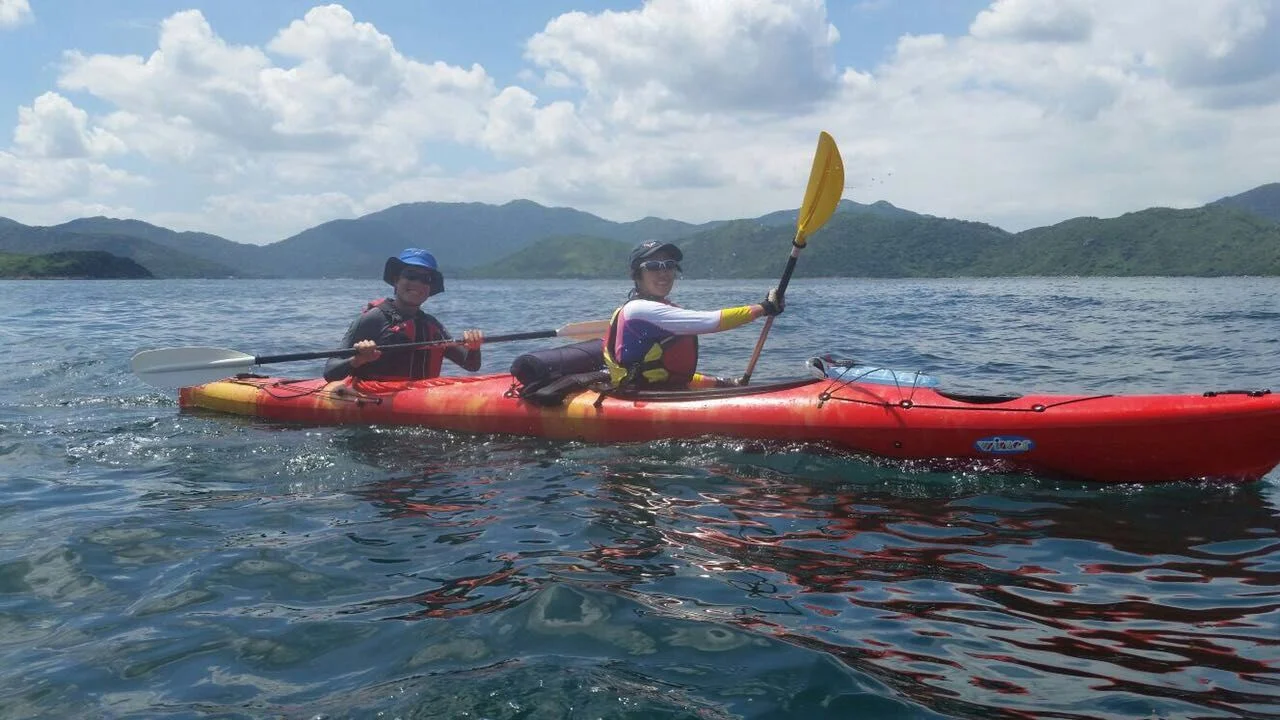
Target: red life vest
424,362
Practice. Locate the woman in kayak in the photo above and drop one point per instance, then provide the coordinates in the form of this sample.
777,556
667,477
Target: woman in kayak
652,342
399,319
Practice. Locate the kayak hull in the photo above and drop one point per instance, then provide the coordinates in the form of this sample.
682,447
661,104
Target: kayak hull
1231,436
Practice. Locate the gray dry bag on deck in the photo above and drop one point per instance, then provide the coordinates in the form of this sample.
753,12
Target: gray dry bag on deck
546,376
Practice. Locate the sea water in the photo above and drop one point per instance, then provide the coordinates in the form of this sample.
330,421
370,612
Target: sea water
162,564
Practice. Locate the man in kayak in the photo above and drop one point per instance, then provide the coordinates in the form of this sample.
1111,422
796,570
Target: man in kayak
652,342
415,276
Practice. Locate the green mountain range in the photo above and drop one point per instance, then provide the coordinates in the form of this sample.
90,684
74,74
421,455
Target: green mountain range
1236,235
1263,200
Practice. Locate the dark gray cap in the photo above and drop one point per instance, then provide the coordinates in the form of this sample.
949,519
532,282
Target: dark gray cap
649,248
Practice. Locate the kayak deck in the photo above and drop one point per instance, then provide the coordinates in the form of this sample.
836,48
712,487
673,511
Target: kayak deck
1233,436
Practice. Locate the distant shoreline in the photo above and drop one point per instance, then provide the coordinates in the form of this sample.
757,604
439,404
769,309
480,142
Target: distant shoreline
99,277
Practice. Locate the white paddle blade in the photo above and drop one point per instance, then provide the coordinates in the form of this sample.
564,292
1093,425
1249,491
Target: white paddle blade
587,330
185,366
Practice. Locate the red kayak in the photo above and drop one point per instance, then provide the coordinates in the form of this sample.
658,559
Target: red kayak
1229,435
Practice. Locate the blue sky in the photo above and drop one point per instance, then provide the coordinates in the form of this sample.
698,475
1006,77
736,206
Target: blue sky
256,120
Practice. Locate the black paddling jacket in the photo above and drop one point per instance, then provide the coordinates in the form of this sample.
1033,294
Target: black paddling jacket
382,323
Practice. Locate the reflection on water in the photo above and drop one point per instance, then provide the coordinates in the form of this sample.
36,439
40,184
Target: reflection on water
996,596
954,600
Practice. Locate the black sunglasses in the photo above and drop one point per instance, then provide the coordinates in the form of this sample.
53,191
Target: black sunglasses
420,277
656,265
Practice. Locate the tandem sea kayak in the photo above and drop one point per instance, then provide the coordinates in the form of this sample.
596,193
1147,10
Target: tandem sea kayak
1225,436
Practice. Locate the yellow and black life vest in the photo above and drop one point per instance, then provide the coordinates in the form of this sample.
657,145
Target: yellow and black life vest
667,363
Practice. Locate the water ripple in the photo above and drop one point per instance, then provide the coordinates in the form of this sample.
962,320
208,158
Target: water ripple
163,564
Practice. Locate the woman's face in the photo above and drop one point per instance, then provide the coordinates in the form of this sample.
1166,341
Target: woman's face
658,282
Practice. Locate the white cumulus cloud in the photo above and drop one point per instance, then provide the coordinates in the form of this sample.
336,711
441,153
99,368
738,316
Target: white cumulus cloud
517,127
54,128
14,13
695,56
51,181
1034,21
348,91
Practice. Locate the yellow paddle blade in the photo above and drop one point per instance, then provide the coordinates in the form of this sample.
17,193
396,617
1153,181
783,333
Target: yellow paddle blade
826,183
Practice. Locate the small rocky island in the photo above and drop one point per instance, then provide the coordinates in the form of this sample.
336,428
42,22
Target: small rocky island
71,264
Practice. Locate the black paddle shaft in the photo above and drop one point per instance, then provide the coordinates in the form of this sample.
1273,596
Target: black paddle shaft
350,352
786,274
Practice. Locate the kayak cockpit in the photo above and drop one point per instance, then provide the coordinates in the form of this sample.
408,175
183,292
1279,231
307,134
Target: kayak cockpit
676,395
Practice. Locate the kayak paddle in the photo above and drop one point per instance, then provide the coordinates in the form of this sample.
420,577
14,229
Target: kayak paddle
185,366
826,183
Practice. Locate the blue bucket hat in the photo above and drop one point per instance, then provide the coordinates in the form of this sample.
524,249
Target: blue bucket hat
419,258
